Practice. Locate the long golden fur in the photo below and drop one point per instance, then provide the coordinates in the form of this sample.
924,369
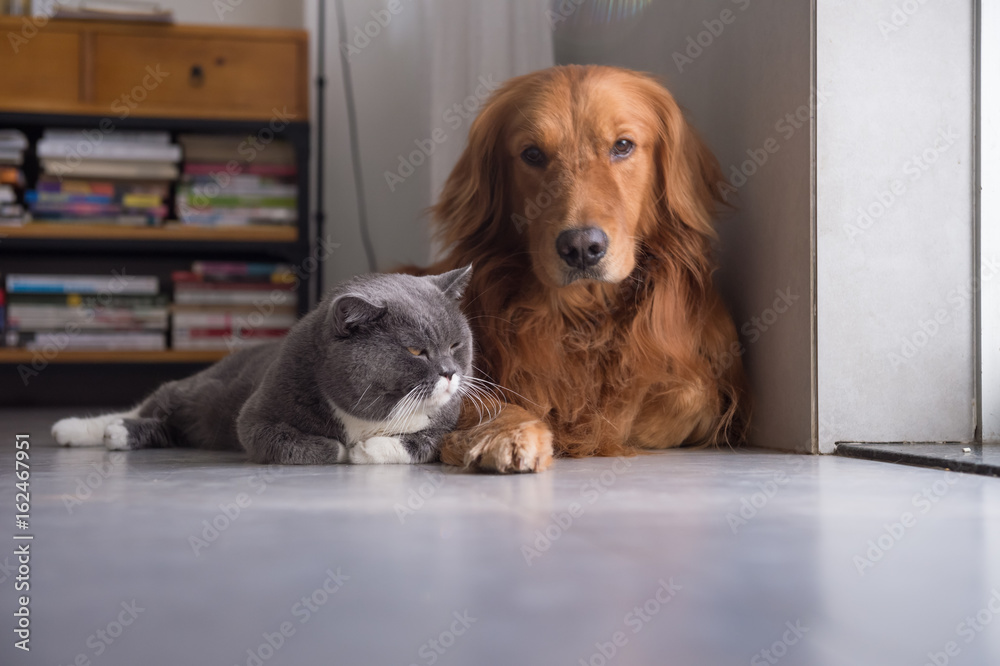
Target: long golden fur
630,354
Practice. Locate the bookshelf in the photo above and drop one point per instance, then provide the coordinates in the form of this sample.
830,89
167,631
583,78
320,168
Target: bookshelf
222,101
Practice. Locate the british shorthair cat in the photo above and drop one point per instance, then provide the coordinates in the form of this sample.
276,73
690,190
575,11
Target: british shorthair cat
375,374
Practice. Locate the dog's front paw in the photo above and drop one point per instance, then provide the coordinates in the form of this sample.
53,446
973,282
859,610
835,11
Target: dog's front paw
379,451
505,447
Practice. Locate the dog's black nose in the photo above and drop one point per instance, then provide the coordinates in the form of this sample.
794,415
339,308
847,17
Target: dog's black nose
583,247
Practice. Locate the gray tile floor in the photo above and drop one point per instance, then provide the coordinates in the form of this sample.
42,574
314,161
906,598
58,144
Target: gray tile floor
683,557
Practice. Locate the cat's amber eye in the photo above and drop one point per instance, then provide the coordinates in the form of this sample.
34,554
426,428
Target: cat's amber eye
456,346
415,351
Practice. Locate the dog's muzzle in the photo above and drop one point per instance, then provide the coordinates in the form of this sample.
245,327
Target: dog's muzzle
582,248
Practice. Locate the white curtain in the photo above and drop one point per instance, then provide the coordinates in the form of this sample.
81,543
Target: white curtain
411,63
477,40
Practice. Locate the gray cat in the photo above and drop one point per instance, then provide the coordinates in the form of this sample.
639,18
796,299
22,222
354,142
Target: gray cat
375,374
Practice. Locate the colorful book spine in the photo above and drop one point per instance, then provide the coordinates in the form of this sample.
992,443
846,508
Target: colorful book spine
82,284
218,168
247,200
91,300
255,297
41,317
110,341
118,136
224,319
238,268
125,150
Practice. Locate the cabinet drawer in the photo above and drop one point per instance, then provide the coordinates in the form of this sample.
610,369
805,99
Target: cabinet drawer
197,76
43,74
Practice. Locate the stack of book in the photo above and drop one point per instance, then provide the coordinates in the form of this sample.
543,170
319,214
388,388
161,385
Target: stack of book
77,312
229,305
130,203
120,177
12,146
225,184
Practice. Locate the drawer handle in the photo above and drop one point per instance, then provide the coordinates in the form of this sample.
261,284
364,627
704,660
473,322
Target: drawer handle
197,77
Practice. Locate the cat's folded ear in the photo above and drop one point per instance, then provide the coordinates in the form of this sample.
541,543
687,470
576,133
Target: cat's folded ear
351,312
453,283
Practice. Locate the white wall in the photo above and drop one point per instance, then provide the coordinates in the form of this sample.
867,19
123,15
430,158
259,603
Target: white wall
896,315
990,218
752,68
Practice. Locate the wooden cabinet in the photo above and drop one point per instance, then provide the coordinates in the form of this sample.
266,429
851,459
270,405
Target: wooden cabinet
191,75
121,69
43,74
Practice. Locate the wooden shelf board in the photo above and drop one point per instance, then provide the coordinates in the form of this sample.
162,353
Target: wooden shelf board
13,355
143,111
168,232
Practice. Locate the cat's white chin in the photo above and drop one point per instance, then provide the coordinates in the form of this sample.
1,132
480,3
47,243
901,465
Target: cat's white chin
444,390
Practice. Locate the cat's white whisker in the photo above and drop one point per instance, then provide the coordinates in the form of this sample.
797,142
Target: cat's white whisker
362,396
476,395
503,388
488,393
394,414
401,411
489,401
406,409
474,400
493,397
411,407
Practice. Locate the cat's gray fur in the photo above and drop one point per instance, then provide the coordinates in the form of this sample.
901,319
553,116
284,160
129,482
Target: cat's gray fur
334,390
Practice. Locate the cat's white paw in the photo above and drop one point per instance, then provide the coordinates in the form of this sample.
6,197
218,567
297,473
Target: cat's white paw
77,432
379,451
342,453
116,436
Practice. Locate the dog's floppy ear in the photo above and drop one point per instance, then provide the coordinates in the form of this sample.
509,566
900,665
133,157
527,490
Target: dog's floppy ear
690,175
691,183
473,197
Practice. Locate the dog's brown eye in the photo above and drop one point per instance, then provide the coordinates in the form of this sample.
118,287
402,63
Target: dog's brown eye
622,148
533,156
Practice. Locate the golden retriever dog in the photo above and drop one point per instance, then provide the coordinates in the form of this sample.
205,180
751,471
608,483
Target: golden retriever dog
584,200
